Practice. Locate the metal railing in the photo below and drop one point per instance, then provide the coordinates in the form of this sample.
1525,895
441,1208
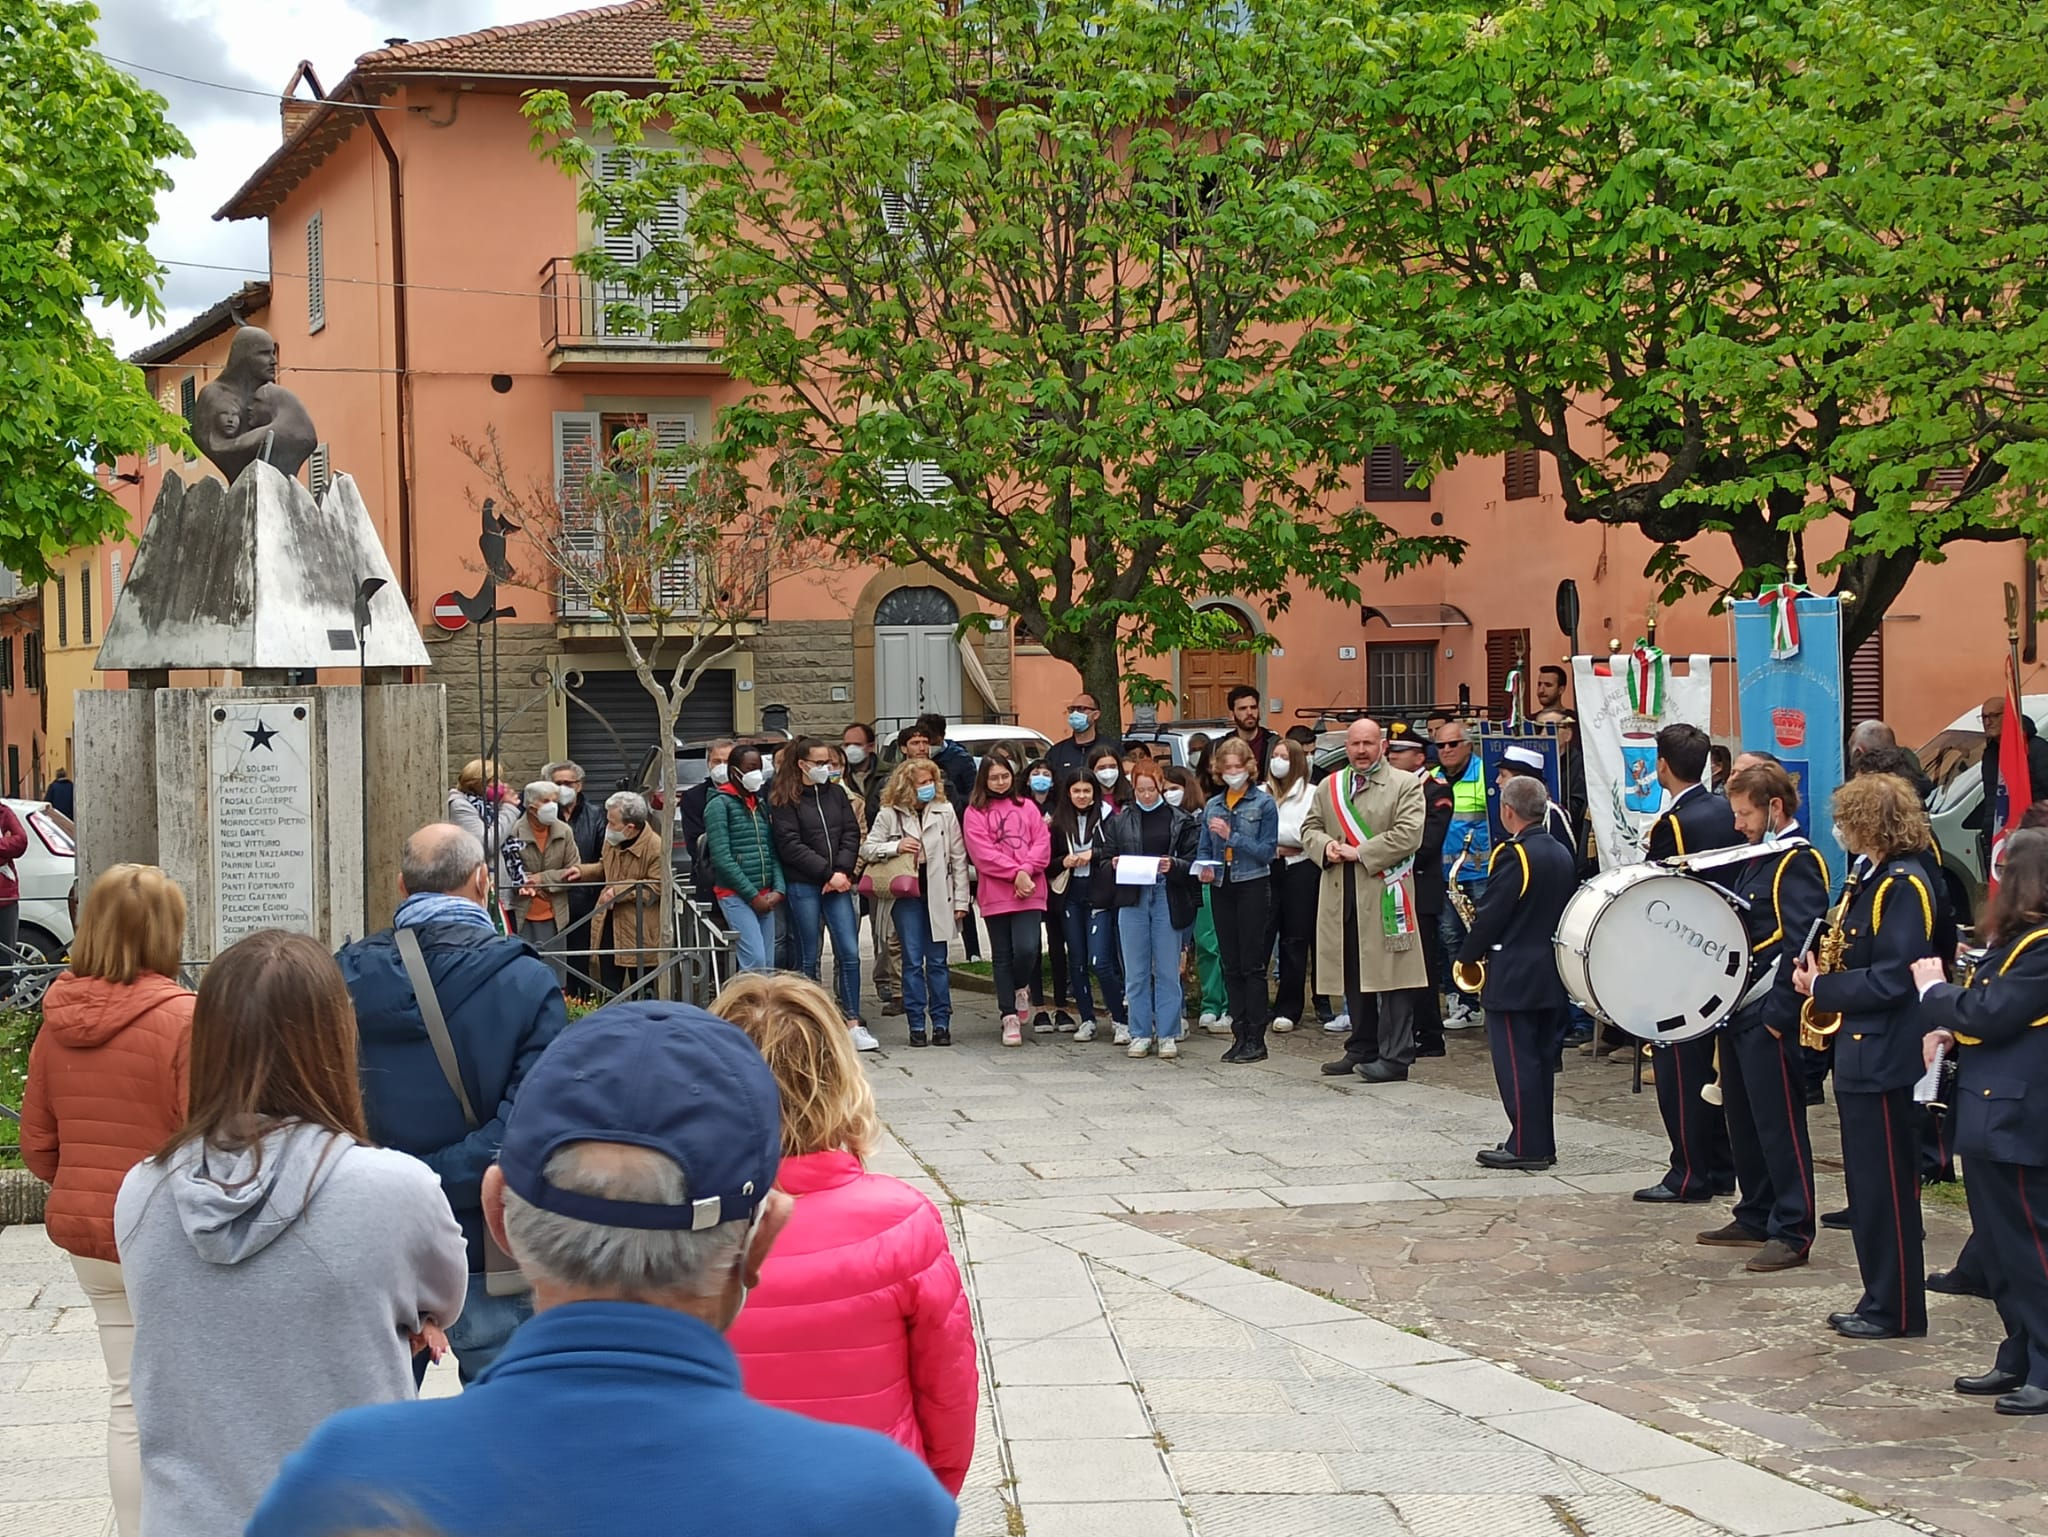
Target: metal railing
576,311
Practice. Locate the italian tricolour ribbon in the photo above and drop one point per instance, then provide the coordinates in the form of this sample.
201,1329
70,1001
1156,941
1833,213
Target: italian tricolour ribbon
1648,670
1782,604
1397,898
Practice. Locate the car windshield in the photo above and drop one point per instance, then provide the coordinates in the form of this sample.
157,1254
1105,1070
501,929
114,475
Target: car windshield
56,831
1948,761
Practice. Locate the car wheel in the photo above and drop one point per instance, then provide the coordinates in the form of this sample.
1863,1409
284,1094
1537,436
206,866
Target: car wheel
35,943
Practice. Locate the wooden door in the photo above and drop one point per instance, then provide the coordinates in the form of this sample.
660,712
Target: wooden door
1207,677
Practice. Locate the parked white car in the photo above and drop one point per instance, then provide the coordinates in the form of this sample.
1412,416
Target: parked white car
46,873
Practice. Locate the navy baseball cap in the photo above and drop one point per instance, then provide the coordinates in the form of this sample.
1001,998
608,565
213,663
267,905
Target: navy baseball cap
669,1077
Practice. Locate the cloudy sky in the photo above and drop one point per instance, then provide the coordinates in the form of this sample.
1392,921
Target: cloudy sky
252,46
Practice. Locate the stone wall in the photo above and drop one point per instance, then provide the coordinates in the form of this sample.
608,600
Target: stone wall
798,663
521,649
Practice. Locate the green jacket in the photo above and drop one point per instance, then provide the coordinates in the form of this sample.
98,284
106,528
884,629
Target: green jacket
741,845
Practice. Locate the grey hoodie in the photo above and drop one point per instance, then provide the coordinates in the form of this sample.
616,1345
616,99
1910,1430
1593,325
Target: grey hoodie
271,1288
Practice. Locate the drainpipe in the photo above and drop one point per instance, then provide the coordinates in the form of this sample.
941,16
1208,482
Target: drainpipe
401,357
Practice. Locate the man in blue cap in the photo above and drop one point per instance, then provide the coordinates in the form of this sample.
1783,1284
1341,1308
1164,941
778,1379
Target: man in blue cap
636,1188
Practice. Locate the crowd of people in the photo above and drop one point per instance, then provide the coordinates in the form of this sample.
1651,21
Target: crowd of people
288,1194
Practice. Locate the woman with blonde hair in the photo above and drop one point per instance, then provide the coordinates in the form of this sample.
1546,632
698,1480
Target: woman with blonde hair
482,805
860,1318
1891,922
915,844
268,1241
106,1088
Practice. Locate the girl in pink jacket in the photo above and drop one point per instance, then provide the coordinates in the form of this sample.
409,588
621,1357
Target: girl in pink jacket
860,1318
1010,846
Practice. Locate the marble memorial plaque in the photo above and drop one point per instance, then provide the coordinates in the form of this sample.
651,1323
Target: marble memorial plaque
263,819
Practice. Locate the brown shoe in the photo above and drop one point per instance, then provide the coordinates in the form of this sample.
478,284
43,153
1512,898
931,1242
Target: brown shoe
1776,1255
1733,1236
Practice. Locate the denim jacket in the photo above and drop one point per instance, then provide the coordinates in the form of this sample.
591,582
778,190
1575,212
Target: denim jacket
1254,835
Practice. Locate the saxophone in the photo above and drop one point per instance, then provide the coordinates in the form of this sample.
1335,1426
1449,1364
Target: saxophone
1817,1027
1469,976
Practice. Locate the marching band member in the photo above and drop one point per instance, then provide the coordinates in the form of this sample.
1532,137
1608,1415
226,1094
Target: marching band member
1873,1008
1763,1082
1694,822
1528,883
2001,1114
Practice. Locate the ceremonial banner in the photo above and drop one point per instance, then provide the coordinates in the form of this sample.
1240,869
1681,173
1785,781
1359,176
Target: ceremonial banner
1494,742
1788,672
1623,704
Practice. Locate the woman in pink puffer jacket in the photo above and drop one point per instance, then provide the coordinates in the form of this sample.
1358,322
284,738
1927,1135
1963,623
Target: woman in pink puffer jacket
1010,845
860,1317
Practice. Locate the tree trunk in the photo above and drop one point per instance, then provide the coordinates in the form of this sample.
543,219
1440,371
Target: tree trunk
665,712
1102,675
1877,580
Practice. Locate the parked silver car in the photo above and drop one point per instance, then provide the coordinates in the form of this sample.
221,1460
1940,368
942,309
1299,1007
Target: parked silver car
1950,761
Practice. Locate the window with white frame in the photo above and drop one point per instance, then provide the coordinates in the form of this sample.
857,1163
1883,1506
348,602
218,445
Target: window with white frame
316,274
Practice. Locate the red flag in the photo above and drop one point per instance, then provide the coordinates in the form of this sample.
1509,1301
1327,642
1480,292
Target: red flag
2015,786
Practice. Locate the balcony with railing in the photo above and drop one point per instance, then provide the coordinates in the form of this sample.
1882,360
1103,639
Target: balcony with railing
588,324
671,593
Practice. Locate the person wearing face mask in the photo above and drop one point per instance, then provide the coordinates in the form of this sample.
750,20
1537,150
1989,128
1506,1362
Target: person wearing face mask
1106,768
1234,859
542,908
583,816
627,930
690,810
484,807
1405,753
1783,893
1039,784
817,838
865,781
1077,752
916,825
1190,789
1296,880
1154,918
746,872
1008,843
1083,870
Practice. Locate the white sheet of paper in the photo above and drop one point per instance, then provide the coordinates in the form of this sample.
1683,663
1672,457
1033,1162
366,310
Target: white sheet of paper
1930,1081
1137,870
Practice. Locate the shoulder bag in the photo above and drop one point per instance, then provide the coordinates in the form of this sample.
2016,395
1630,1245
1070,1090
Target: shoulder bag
501,1270
895,876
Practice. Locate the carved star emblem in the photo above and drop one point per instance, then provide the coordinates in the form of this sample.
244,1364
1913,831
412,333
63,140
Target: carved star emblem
260,737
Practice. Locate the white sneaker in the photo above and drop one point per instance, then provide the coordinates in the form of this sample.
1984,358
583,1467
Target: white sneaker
1282,1026
1207,1021
1122,1037
1086,1032
1140,1048
1460,1018
1341,1025
863,1040
1169,1049
1216,1024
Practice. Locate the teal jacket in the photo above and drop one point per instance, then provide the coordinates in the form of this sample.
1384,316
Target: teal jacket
741,845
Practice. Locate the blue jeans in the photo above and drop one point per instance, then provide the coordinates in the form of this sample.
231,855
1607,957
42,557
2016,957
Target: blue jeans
927,988
753,933
812,910
1151,946
1092,946
1451,930
481,1332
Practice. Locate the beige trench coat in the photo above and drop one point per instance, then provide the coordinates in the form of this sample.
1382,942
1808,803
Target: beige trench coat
945,857
1390,807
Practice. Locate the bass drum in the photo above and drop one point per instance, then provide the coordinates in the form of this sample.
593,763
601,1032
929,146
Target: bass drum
1662,956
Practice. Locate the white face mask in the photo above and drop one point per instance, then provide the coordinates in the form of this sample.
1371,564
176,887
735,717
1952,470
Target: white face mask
565,795
1107,778
1281,765
617,836
1174,796
818,773
545,813
1236,781
752,780
720,774
856,755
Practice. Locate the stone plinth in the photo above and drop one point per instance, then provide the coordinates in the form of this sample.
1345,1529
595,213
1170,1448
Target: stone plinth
261,797
257,576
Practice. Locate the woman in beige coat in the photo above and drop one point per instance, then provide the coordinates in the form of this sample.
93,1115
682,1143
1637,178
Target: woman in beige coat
1362,830
916,819
632,867
542,904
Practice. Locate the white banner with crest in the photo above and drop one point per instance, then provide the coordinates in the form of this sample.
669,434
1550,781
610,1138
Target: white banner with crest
1623,702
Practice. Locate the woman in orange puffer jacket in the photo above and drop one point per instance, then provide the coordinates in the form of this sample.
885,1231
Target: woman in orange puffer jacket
860,1317
106,1089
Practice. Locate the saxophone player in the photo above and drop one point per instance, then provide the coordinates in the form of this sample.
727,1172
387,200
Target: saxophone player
1872,1007
1762,1075
1528,882
2000,1125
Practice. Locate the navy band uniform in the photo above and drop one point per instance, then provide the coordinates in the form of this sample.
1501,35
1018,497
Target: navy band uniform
1529,880
1702,1166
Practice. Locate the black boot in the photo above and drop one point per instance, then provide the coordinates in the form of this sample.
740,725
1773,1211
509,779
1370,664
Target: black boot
1251,1044
1234,1052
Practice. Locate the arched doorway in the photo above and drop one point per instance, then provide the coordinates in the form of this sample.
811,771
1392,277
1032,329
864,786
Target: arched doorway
1207,677
917,659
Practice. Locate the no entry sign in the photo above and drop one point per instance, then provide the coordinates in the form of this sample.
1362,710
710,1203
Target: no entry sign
448,613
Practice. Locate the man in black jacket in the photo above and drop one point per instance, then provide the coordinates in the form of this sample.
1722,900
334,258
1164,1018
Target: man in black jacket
1702,1166
690,813
1985,818
584,817
1407,752
1528,883
502,1008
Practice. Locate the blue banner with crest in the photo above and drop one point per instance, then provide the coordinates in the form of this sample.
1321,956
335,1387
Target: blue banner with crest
1789,683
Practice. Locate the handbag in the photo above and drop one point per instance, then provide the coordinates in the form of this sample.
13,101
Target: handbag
502,1277
895,876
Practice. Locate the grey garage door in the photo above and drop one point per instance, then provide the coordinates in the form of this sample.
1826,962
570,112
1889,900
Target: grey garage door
609,757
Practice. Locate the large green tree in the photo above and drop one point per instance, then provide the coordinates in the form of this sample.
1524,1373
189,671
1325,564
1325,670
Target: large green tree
1064,290
80,146
1741,268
